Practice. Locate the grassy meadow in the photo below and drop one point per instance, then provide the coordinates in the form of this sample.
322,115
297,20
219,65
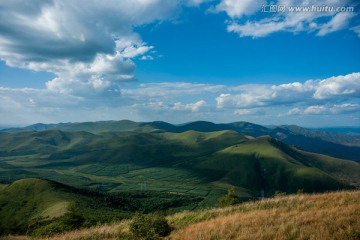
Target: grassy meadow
301,216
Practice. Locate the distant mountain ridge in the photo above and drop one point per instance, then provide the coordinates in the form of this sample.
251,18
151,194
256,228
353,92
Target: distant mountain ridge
333,144
198,151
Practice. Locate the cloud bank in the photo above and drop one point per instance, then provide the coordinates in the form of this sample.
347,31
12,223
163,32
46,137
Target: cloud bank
181,102
339,88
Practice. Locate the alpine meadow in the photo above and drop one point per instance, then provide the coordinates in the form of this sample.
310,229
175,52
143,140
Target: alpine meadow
179,120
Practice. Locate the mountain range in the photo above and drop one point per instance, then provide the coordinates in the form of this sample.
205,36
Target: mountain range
149,166
346,146
123,155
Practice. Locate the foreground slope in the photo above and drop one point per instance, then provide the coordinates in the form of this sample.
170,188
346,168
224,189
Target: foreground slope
42,206
28,200
320,216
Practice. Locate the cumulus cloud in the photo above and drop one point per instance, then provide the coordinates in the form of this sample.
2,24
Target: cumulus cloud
193,107
325,109
334,88
182,101
87,44
338,22
258,95
340,86
289,20
101,75
237,9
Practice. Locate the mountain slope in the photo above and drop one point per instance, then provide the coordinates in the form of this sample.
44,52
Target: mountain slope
340,138
38,205
204,164
28,200
302,216
267,165
320,216
336,145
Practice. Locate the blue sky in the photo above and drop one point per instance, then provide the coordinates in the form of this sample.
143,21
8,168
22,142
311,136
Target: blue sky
179,61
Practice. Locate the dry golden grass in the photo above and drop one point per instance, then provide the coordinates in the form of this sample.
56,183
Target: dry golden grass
319,216
323,216
113,231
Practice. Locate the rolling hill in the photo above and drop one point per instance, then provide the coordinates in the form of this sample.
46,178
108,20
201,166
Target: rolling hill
38,206
112,169
185,162
337,145
30,199
267,165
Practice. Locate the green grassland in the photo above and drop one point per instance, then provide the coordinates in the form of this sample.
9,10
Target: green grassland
150,169
36,205
27,200
188,162
337,145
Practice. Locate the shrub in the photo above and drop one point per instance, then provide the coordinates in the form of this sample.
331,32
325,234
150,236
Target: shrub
279,194
150,226
70,221
230,199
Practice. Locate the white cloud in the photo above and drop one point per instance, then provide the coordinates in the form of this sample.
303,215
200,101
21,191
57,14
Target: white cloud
340,86
326,109
238,8
147,57
322,22
134,51
256,29
196,2
193,107
169,89
181,102
249,111
87,44
356,29
338,22
257,95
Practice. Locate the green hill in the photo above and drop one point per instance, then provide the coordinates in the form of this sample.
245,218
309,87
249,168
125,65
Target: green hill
28,200
333,144
39,206
265,165
209,162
